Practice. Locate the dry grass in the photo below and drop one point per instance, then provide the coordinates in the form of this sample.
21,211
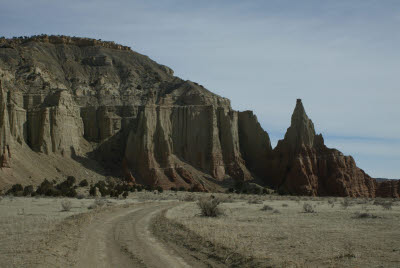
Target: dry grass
308,208
66,205
333,237
29,227
209,206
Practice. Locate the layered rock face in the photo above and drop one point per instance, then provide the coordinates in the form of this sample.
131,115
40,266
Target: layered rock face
81,97
302,164
86,100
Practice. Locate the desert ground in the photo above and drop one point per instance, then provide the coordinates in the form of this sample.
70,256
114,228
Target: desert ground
150,229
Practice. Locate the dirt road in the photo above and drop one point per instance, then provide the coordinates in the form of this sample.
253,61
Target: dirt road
122,239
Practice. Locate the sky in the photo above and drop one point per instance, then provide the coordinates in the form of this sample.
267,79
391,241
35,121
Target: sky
341,57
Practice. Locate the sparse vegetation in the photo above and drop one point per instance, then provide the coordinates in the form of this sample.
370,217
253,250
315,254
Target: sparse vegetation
365,215
308,208
385,204
28,190
209,207
189,198
15,190
66,205
254,201
160,189
98,203
83,183
346,203
267,208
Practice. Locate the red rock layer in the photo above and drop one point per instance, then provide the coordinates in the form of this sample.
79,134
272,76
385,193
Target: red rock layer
302,164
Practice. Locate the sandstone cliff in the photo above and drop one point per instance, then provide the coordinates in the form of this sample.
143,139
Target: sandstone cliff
95,108
87,99
302,164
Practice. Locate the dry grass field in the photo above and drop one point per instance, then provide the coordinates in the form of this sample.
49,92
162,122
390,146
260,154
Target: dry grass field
277,231
30,227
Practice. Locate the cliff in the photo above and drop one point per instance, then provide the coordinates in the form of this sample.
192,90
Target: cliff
302,164
90,108
84,100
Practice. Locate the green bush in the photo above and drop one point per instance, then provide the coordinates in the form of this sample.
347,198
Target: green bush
92,191
16,190
45,187
71,193
83,183
71,180
160,189
28,190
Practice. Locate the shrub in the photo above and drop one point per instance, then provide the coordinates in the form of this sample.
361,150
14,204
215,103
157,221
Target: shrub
365,215
282,191
71,180
239,185
266,208
254,201
265,191
149,188
173,189
386,204
125,194
98,203
28,190
182,189
256,190
92,191
160,189
15,190
83,183
45,187
209,207
188,198
80,196
346,203
66,205
307,208
70,193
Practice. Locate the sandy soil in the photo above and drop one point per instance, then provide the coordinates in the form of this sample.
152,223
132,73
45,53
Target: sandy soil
35,232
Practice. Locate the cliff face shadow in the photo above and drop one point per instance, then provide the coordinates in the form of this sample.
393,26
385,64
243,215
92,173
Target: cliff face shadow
106,159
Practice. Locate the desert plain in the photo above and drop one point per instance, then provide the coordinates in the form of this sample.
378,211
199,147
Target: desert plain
151,229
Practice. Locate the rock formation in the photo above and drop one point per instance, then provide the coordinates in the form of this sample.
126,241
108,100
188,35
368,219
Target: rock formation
302,164
97,104
85,98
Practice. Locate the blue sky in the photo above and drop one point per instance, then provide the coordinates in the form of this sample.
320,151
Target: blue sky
341,57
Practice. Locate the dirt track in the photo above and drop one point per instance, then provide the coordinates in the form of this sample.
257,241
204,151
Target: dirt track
122,239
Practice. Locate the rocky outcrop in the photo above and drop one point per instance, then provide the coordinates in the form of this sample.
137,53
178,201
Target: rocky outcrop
302,164
86,101
82,97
